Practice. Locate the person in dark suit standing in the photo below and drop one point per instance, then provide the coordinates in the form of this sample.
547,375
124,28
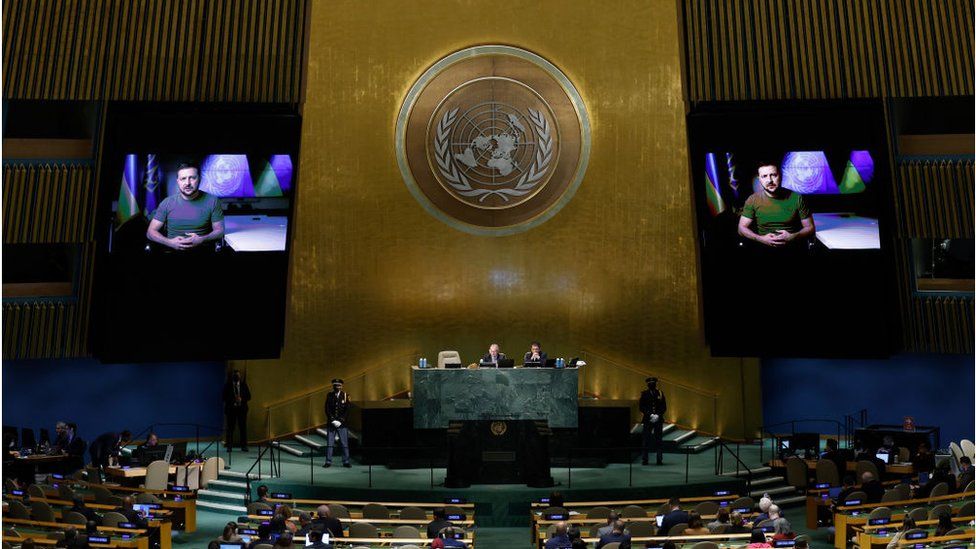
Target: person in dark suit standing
336,410
493,355
652,406
236,396
107,446
673,517
535,356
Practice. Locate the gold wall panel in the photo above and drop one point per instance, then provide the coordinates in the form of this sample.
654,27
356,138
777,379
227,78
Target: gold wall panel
826,49
933,199
162,50
373,276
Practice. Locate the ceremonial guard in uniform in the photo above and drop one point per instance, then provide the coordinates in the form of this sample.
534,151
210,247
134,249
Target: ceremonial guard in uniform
652,405
336,409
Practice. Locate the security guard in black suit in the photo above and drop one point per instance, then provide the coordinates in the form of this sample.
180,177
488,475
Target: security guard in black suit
336,410
652,405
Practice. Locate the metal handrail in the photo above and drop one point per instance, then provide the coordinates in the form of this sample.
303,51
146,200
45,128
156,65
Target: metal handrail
269,449
720,462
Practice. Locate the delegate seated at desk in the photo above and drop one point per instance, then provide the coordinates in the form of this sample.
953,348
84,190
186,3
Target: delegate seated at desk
191,217
493,355
535,356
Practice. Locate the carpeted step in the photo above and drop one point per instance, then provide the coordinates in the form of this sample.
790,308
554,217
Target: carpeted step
239,475
772,491
224,508
227,485
220,495
698,443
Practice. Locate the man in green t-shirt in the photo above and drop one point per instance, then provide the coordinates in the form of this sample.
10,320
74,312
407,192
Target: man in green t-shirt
191,217
775,216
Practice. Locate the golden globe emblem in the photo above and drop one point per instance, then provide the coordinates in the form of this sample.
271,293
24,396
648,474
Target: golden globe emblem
498,428
493,140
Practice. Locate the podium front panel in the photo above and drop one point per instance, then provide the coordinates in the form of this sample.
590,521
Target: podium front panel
444,395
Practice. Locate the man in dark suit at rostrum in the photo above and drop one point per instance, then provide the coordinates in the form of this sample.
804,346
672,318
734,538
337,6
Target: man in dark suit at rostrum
493,355
106,446
336,410
652,406
535,356
236,395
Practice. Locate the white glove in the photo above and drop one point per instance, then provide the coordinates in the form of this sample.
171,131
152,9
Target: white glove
336,423
654,418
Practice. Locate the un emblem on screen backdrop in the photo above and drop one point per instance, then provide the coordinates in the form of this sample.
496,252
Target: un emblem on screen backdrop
493,140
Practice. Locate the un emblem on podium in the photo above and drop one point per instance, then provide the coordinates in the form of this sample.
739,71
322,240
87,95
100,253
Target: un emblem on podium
493,140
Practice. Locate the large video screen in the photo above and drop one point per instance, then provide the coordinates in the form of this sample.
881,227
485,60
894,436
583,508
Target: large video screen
791,231
193,233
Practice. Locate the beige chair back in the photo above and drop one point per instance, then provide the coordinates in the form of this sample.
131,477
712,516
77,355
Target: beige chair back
939,510
705,545
74,517
363,530
866,466
742,503
448,357
678,529
879,512
919,514
189,476
112,519
827,472
211,470
904,454
968,448
939,489
891,495
707,508
413,513
375,511
857,495
36,491
601,512
641,528
633,511
147,498
339,511
17,510
966,510
157,475
405,531
41,511
614,545
796,472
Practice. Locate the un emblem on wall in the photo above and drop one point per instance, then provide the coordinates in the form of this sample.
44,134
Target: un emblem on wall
493,140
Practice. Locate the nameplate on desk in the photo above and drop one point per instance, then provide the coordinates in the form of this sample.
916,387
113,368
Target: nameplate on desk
153,505
58,476
127,536
765,529
456,501
457,516
917,535
852,502
556,516
722,493
127,525
99,539
543,500
742,510
458,535
784,543
17,492
266,512
179,489
881,533
822,485
248,531
874,522
281,495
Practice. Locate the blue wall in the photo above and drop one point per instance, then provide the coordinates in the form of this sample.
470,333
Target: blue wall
110,397
934,389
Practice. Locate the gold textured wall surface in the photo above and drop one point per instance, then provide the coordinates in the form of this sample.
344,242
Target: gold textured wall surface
827,49
49,204
160,50
374,278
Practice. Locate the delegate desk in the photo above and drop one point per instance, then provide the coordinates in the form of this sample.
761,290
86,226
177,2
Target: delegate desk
255,233
900,469
444,395
870,536
848,517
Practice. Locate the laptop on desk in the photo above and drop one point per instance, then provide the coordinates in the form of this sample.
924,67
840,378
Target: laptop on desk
506,362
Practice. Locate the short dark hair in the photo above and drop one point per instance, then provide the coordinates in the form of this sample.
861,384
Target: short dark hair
186,166
675,500
758,536
832,443
315,535
439,512
767,162
535,344
264,530
126,435
966,460
801,544
262,490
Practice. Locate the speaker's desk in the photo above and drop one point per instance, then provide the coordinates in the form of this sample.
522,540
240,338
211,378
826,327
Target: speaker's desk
442,395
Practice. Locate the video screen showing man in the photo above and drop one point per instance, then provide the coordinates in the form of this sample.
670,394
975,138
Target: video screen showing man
775,217
192,218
